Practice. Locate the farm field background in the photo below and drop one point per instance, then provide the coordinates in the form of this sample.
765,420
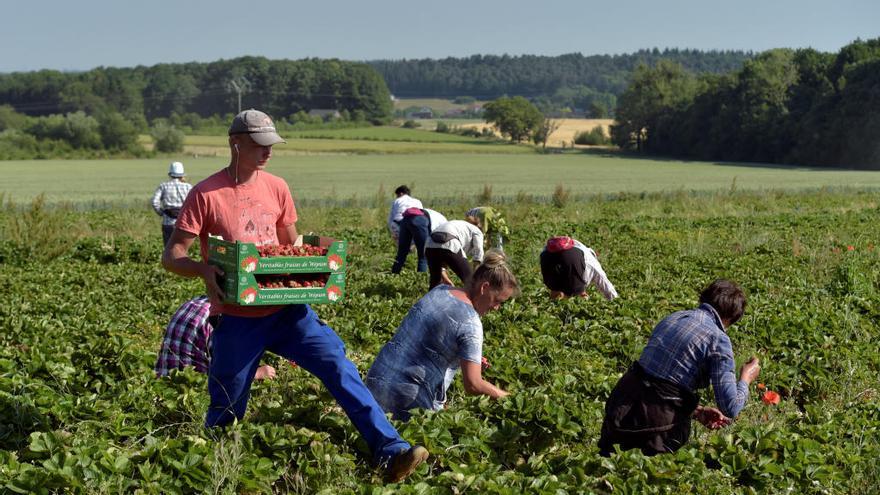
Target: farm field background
439,105
86,302
324,178
565,134
359,141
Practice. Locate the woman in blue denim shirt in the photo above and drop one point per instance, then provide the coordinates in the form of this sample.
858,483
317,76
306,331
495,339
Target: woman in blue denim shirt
439,335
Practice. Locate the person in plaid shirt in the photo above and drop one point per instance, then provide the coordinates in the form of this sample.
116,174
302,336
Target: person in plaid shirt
652,405
187,338
169,197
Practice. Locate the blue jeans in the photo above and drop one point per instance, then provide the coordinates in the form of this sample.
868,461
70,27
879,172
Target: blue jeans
297,334
412,229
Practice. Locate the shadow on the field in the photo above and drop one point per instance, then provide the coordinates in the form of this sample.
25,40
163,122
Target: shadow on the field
631,155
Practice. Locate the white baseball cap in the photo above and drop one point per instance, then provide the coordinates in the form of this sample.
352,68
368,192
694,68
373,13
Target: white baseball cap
176,170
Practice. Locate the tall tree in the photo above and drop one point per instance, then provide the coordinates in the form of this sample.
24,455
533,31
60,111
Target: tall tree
654,93
515,117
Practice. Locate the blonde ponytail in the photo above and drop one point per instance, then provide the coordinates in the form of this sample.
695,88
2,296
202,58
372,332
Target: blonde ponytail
495,270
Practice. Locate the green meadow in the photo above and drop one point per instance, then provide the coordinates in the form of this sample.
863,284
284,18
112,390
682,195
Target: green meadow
443,176
360,141
87,303
389,133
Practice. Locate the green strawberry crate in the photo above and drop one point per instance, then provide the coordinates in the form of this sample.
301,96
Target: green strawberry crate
237,257
242,265
243,289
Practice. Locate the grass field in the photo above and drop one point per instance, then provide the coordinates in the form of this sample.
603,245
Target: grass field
386,133
342,177
86,304
364,141
87,301
431,124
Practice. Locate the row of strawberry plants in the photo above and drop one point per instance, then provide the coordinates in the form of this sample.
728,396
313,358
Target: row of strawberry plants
83,413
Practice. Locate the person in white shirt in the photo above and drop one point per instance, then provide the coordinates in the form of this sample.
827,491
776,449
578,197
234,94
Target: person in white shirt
449,246
416,226
402,202
169,197
568,268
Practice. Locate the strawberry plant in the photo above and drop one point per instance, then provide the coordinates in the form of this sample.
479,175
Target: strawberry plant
82,411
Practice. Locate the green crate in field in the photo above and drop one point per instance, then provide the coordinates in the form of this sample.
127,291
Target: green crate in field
241,262
243,290
235,257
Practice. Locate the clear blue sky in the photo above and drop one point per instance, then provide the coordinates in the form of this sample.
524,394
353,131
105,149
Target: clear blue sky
77,35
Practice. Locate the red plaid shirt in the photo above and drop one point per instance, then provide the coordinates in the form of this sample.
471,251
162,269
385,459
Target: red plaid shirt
186,338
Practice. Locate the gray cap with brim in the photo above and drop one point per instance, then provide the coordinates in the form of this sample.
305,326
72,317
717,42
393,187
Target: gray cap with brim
258,125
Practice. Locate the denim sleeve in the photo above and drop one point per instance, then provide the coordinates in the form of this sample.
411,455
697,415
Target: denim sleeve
730,395
391,215
470,342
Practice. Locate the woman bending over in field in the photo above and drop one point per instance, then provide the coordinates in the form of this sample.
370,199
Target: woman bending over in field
569,268
439,335
491,223
448,246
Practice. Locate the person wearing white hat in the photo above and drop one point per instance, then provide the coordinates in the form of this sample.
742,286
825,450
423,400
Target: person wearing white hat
169,197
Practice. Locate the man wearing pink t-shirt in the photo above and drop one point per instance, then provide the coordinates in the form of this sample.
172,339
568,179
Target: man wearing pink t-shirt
243,202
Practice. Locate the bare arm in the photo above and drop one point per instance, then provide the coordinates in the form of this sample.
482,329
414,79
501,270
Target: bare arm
176,259
287,235
474,384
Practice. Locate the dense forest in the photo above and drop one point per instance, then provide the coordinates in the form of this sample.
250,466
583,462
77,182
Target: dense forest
101,112
552,83
490,76
279,87
783,106
284,87
780,106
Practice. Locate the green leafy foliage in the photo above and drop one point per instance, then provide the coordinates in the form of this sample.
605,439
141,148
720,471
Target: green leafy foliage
783,106
83,413
515,117
166,137
595,136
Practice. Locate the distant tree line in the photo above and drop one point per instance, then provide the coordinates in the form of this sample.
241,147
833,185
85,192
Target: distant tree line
74,135
278,87
553,83
783,106
101,112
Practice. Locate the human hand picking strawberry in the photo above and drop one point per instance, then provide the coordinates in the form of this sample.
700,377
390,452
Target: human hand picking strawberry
711,417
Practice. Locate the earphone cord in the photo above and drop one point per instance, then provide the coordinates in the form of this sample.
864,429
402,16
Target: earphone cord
236,163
